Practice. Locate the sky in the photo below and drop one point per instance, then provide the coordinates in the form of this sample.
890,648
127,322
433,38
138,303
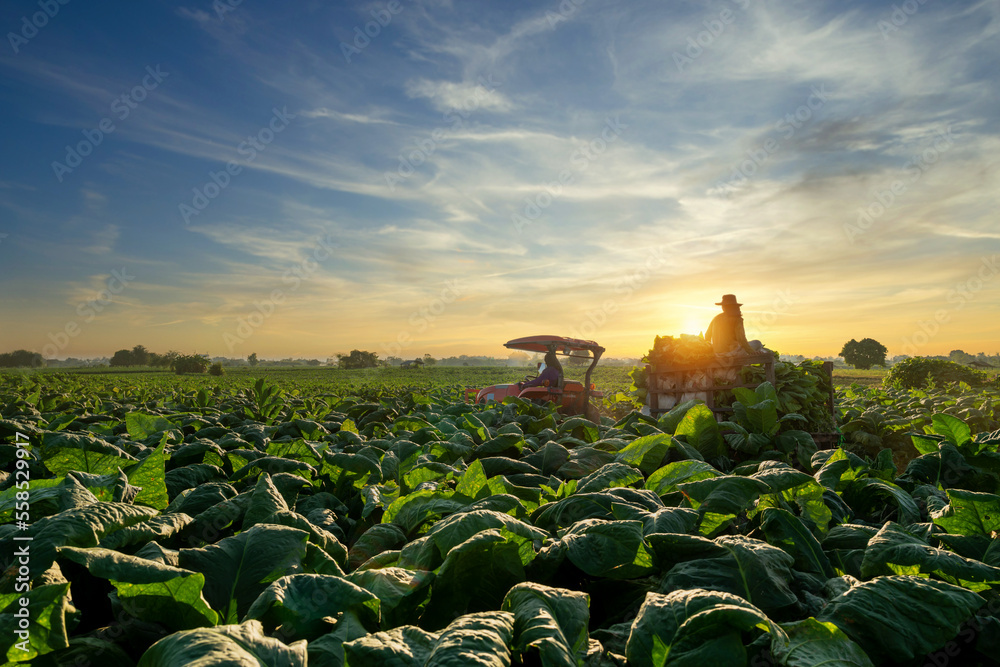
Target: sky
304,178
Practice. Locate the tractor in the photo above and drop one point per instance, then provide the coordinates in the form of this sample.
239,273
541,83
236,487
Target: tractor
572,397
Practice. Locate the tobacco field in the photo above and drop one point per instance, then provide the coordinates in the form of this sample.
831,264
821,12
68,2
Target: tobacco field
188,521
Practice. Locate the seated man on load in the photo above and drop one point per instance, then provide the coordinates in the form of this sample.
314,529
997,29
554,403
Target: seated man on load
726,333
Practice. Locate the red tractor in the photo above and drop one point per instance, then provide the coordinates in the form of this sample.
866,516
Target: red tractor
572,396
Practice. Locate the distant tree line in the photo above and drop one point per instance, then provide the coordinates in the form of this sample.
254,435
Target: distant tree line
21,359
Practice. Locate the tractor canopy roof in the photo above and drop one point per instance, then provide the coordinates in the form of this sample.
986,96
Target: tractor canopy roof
559,344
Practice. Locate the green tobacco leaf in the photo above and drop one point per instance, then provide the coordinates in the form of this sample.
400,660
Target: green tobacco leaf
869,495
787,532
46,614
149,590
551,621
811,643
720,499
613,549
899,618
970,513
79,527
953,429
411,511
754,570
46,497
158,528
149,475
404,646
609,476
645,453
476,575
377,539
670,520
299,606
140,426
92,460
400,592
243,645
481,639
473,481
693,627
893,551
666,479
237,569
701,430
669,421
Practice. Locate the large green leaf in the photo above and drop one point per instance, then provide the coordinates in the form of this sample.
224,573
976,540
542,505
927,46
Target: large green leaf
46,619
756,571
900,618
720,499
400,592
147,589
149,475
243,645
551,621
645,453
894,551
476,575
403,646
693,627
481,639
613,549
701,430
299,606
970,513
78,527
666,479
810,643
785,531
140,425
609,476
237,569
46,497
954,430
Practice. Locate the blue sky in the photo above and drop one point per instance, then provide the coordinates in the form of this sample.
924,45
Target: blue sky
467,173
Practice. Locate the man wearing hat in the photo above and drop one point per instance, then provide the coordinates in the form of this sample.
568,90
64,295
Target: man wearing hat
726,333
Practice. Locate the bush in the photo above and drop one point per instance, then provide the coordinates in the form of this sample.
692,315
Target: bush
216,369
913,373
190,363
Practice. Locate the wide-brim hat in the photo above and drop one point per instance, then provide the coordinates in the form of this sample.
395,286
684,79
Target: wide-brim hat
728,300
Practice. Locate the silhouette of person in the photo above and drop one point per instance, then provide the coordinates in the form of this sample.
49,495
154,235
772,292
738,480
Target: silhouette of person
726,333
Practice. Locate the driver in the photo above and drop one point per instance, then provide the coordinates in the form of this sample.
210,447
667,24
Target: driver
552,374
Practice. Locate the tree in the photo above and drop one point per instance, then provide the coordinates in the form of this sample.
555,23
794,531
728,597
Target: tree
429,360
864,354
121,358
21,359
252,359
190,363
140,356
358,359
